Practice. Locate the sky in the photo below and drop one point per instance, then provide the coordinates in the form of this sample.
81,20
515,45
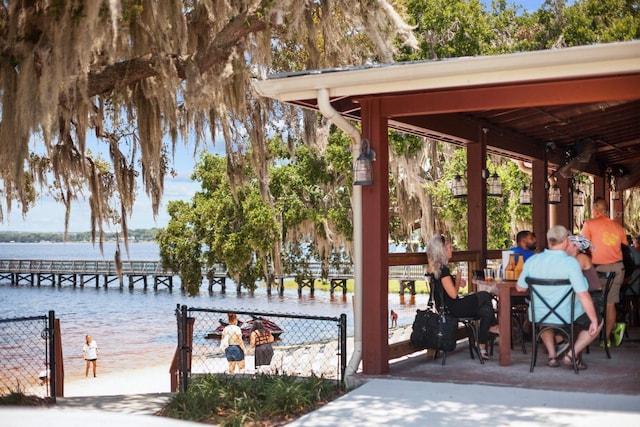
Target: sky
48,216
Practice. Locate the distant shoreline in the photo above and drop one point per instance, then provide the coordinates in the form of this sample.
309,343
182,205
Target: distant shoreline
137,235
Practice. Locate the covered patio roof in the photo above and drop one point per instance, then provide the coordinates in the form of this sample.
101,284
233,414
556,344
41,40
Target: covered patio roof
560,103
567,110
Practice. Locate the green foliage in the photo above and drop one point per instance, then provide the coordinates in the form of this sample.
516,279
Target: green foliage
18,398
449,28
234,401
310,204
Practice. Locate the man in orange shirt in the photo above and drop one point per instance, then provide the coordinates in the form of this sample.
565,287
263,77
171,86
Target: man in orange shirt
606,235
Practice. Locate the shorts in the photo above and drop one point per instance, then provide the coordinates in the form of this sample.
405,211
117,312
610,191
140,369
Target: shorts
234,353
90,360
618,268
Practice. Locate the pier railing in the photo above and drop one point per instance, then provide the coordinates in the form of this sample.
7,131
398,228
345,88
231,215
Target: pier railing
81,272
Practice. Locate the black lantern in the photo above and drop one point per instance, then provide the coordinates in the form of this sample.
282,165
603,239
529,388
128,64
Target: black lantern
578,197
525,195
495,186
363,170
459,187
554,194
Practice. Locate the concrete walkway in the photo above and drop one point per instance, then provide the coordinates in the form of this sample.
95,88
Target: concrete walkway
388,402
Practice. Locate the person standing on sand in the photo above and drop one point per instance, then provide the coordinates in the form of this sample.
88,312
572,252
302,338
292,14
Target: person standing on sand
90,354
234,350
261,339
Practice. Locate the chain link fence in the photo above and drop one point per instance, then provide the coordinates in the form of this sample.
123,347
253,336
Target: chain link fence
304,345
26,351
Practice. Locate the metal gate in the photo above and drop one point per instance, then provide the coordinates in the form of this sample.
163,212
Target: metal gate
27,356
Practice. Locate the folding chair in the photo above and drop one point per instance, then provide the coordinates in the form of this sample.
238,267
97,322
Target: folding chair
545,312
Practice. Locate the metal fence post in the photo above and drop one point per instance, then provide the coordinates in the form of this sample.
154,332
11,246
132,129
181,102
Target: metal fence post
52,356
343,346
182,338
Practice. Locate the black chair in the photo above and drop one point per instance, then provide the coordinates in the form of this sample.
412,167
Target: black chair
629,301
608,277
471,325
545,316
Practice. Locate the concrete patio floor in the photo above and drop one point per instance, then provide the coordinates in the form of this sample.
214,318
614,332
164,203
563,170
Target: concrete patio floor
618,375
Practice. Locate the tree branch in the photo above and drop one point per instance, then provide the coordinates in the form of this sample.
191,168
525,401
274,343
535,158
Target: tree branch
137,69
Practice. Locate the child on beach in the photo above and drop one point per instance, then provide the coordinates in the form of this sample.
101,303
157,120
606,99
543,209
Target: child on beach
90,354
394,319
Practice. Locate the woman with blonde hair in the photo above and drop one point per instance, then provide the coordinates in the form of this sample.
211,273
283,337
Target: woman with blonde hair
478,304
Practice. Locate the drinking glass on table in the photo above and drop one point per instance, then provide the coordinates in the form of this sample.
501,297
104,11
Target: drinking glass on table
488,274
498,274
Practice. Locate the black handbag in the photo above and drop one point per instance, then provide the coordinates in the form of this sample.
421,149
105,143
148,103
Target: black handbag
434,330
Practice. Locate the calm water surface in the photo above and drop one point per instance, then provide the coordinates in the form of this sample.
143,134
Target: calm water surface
137,328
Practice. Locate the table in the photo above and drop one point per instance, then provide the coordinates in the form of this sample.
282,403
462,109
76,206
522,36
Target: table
506,290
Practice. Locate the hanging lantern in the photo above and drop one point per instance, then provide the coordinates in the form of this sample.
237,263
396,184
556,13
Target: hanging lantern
578,197
495,186
554,194
525,195
459,187
363,168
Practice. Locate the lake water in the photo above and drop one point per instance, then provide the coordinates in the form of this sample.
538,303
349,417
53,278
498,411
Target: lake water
137,328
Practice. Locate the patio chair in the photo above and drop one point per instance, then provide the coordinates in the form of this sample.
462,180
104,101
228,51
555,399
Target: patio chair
608,279
605,294
471,325
629,301
545,313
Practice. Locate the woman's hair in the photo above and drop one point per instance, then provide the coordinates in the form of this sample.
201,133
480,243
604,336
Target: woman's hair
233,318
257,326
437,255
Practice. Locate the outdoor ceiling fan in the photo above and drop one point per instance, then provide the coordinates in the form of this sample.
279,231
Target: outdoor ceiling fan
578,155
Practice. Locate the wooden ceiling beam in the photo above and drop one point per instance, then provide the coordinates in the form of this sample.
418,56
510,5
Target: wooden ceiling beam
523,95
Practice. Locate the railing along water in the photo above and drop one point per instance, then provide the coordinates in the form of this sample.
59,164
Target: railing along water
40,272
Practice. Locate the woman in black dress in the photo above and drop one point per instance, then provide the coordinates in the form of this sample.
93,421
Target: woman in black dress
477,304
261,340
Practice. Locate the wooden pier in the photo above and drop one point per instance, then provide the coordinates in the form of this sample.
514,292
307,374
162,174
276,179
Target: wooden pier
84,272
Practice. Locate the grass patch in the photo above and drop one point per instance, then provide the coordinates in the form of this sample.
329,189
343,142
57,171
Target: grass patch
18,398
261,400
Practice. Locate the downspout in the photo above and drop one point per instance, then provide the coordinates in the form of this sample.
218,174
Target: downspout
331,114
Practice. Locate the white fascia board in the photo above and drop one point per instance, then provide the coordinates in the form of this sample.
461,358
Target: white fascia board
555,64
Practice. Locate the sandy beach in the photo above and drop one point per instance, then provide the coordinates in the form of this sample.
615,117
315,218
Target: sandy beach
152,379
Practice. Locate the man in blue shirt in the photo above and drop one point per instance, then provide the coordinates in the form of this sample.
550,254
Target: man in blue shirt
555,263
525,244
